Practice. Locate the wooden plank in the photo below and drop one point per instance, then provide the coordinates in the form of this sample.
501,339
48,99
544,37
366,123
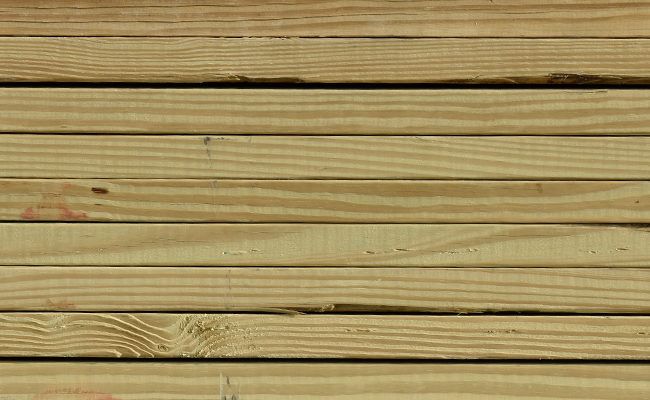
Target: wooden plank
325,111
450,18
209,59
324,157
323,336
575,290
311,381
336,245
395,201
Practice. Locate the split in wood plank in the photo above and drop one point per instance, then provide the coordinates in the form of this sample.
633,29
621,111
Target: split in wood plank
300,60
324,111
277,290
152,335
366,201
313,381
325,157
377,18
336,245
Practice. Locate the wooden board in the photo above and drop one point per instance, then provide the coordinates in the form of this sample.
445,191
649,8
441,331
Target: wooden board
325,111
311,381
464,290
324,201
325,157
300,60
399,245
466,18
323,336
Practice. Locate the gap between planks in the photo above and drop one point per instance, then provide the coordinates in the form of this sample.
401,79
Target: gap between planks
300,60
336,245
412,18
326,290
323,111
323,380
323,336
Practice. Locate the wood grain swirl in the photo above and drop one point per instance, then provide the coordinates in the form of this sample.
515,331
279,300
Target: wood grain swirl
325,111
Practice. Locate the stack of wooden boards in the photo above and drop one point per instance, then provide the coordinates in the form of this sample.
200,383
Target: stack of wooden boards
324,199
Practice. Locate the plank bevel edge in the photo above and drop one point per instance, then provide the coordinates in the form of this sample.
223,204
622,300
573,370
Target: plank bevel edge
336,245
314,60
156,335
324,157
310,381
329,201
325,111
411,18
325,290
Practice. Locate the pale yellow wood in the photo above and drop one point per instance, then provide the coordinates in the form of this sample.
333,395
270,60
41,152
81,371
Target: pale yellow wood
577,290
207,59
398,245
312,381
324,157
454,18
392,201
325,111
323,336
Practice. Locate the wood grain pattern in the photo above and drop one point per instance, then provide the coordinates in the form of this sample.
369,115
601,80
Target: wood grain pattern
325,111
325,157
451,18
203,59
336,245
337,201
311,381
322,336
571,290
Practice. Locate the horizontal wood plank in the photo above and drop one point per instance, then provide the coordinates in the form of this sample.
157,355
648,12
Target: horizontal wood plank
209,59
336,245
325,111
324,157
374,201
468,290
323,336
311,381
451,18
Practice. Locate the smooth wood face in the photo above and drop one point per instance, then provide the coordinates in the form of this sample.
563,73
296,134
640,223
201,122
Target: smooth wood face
324,157
336,245
576,290
294,60
311,381
324,201
323,336
325,111
414,18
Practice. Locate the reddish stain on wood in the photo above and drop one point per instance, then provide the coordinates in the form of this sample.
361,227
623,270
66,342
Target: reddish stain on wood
62,304
54,206
29,213
73,394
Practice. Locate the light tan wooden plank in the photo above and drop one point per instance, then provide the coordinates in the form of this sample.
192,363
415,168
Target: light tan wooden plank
467,18
324,157
324,201
323,336
202,59
310,381
324,111
399,245
578,290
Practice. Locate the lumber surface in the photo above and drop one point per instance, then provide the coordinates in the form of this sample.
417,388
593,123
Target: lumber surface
413,18
325,157
322,60
336,245
570,290
325,111
395,201
310,381
323,336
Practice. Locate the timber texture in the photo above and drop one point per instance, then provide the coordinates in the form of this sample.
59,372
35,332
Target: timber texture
322,199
